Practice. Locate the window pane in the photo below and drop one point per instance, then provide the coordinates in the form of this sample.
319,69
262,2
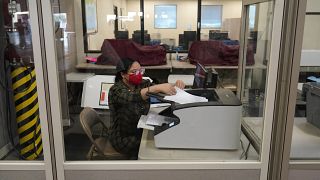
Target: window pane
171,33
211,17
257,57
305,143
117,20
165,16
20,133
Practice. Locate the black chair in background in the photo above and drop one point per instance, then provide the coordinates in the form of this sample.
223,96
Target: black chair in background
181,40
122,35
188,36
136,37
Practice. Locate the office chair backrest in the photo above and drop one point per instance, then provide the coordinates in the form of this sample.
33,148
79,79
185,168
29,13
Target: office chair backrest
89,118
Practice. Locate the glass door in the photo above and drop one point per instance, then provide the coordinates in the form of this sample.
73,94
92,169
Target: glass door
259,56
24,134
303,116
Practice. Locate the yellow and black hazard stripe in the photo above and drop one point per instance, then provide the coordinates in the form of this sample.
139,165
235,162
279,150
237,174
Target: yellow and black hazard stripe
27,111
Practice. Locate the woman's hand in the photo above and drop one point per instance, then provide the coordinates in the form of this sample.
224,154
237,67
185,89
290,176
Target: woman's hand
167,88
180,84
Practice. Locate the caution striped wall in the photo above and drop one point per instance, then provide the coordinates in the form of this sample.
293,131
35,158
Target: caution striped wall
27,111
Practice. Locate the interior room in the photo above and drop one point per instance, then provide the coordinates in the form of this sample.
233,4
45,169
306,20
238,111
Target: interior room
154,81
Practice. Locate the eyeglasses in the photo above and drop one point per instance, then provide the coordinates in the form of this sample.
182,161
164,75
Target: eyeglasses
137,71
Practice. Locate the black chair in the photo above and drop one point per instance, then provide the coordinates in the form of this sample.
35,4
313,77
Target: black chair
122,35
189,37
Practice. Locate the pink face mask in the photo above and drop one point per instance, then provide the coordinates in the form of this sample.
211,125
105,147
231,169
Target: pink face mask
135,79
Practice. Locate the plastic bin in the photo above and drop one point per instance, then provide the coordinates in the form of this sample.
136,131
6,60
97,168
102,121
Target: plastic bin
311,91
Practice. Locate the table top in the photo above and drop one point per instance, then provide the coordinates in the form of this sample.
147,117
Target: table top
186,65
170,64
78,77
95,66
305,138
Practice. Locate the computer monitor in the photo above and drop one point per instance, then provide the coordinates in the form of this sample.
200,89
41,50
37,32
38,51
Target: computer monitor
204,78
136,37
122,35
214,35
189,36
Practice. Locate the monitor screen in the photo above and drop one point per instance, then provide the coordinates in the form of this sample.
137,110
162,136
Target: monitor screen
200,76
103,100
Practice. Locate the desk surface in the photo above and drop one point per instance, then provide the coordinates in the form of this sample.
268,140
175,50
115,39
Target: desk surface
148,151
186,65
78,77
170,64
305,139
103,67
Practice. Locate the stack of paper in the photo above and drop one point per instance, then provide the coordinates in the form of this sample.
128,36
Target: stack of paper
153,119
182,97
143,123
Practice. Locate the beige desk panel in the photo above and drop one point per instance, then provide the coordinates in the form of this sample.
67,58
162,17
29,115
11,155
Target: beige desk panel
148,151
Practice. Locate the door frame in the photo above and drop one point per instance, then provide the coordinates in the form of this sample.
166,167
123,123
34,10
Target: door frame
63,165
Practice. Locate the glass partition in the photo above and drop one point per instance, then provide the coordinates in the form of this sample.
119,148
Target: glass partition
220,31
306,132
220,20
20,128
256,58
118,19
86,82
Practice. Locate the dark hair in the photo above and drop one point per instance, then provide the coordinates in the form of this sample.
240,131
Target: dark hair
123,66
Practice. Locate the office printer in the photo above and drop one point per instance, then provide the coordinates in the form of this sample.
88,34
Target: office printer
205,125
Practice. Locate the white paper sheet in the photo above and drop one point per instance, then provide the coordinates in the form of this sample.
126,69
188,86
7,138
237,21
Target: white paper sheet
142,123
182,97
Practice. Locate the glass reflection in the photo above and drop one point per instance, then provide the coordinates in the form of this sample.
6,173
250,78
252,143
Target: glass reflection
258,34
305,143
19,118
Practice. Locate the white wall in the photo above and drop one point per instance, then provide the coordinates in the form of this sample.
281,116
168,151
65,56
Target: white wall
311,37
186,17
105,29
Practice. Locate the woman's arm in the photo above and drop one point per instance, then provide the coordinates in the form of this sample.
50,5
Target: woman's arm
165,88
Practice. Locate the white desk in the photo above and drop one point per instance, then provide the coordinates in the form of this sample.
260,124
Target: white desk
186,65
78,77
89,66
305,138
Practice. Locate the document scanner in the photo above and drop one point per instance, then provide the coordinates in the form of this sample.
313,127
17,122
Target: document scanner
203,125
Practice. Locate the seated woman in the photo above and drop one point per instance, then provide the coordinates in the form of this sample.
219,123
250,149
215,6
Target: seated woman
128,100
